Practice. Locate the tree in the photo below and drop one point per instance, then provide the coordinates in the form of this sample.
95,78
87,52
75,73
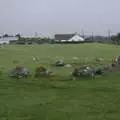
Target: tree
116,39
5,35
19,36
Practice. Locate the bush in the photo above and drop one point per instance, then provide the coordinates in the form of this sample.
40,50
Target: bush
40,71
13,42
30,43
21,42
39,42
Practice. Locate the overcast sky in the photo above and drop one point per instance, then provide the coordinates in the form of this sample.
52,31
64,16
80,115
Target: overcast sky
47,17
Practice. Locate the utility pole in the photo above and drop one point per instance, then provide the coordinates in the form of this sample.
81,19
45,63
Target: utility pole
36,34
82,33
92,36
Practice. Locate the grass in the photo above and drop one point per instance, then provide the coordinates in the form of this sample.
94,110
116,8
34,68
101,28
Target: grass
58,98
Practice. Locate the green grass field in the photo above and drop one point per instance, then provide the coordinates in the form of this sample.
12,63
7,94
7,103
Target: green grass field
58,97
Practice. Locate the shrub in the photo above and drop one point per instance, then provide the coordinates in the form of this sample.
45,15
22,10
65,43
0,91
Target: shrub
21,42
30,43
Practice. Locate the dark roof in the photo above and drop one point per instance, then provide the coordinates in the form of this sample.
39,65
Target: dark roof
63,36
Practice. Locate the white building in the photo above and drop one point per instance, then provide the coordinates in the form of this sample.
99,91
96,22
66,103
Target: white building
6,40
68,38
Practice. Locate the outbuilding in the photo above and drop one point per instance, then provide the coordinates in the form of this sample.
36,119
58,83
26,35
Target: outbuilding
68,38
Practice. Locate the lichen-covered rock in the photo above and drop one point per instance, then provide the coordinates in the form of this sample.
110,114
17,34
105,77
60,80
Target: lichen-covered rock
87,71
117,60
19,72
99,71
59,63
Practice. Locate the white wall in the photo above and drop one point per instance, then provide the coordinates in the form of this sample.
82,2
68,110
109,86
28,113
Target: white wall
7,40
76,38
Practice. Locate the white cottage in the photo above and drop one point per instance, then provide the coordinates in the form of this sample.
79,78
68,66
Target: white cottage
69,38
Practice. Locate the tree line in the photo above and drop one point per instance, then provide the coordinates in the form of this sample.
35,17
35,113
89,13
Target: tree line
31,40
116,39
